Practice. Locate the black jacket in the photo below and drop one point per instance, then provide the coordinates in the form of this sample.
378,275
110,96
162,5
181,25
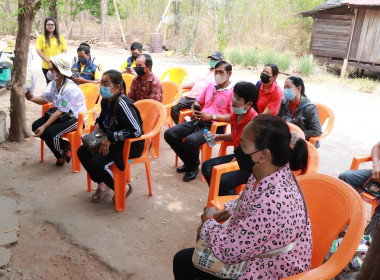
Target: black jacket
306,116
127,124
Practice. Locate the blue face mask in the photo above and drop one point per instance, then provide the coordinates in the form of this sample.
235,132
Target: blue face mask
288,93
82,60
239,110
105,92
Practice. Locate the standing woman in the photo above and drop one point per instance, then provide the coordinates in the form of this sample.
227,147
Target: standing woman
127,124
270,93
49,44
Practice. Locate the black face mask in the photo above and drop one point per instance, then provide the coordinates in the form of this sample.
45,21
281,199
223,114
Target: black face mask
264,78
134,56
139,70
244,160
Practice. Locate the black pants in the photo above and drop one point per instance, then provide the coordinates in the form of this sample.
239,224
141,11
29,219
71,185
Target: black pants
228,181
184,269
184,103
98,166
188,150
52,134
45,74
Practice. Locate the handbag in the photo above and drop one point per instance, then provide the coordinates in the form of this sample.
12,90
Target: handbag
64,116
93,140
205,260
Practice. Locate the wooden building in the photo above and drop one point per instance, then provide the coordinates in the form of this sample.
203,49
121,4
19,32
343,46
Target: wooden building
347,32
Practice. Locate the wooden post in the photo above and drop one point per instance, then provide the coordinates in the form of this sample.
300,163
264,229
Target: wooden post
345,62
371,268
121,27
344,68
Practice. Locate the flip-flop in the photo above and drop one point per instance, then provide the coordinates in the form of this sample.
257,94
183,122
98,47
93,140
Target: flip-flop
99,195
128,193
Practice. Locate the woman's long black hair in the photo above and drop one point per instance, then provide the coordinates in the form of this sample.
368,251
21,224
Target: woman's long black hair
56,34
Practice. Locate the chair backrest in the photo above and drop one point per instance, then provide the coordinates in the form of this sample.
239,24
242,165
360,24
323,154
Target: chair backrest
91,94
172,92
295,128
332,204
128,78
325,113
176,74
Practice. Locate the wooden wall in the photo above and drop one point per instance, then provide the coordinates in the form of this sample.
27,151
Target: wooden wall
331,33
365,45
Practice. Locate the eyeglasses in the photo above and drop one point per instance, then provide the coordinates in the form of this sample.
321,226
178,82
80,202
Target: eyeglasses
50,24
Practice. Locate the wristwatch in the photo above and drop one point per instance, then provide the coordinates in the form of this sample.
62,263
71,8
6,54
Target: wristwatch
213,116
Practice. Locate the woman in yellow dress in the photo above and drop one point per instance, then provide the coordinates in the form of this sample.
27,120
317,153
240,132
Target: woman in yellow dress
51,43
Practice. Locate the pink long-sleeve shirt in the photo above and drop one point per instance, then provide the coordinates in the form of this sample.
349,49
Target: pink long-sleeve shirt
271,216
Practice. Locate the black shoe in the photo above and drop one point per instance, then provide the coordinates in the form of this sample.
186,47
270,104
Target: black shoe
190,175
181,169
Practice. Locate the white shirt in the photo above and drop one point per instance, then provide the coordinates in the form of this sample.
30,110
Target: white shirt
71,98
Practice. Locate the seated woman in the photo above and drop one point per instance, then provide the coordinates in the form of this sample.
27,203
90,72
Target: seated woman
127,124
270,213
270,93
297,109
244,110
68,101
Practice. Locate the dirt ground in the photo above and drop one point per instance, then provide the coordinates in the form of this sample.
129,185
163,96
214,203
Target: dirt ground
64,236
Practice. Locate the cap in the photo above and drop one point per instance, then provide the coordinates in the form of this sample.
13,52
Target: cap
216,55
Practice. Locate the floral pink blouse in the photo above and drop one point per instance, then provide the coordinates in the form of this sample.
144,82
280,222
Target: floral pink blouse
271,216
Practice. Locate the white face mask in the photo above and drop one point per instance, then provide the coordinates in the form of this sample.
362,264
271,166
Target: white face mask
220,79
51,76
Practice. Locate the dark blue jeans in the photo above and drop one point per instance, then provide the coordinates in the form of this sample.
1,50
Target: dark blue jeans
228,181
357,178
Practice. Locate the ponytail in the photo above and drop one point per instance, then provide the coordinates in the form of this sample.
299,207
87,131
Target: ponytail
299,156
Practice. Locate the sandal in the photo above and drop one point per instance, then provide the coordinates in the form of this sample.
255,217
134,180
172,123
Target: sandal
60,161
99,195
128,193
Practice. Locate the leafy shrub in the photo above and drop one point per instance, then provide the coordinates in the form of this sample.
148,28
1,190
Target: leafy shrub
366,84
283,61
306,65
268,56
236,57
251,57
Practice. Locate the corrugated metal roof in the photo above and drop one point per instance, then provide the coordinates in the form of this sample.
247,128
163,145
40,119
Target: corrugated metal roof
362,2
338,3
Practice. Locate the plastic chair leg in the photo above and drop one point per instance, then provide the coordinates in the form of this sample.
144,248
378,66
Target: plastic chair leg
176,161
74,158
88,182
127,171
42,150
119,188
156,146
148,175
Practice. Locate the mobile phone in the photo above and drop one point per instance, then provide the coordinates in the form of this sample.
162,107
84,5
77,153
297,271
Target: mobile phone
128,68
197,107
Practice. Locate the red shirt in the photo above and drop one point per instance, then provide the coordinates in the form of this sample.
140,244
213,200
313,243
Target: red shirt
271,99
293,108
151,88
237,128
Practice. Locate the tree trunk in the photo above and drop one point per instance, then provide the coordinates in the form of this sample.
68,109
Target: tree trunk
53,12
120,26
104,15
73,12
177,17
370,269
18,130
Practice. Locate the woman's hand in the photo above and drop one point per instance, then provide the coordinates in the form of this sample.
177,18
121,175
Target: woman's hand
105,147
209,213
96,127
39,131
222,215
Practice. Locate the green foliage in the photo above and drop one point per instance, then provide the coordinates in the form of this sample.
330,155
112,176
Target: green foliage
268,56
94,6
221,33
306,65
366,84
251,57
235,56
283,61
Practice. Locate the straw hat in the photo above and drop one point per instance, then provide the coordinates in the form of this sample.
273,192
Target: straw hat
63,63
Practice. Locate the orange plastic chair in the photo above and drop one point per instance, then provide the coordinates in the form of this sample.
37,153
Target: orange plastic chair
206,150
324,113
92,96
214,200
176,74
356,161
128,78
332,204
153,114
172,93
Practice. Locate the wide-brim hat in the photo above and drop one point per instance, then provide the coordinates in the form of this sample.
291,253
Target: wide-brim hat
63,63
216,55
